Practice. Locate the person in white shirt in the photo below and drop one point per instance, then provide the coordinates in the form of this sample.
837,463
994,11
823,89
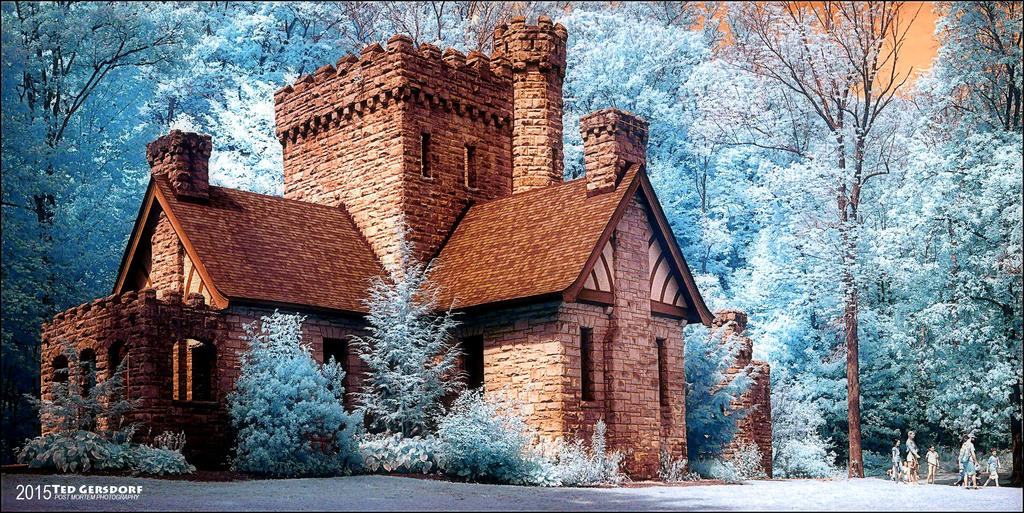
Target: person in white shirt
933,464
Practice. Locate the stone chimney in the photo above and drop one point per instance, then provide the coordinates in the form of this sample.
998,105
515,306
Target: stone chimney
613,140
184,157
537,58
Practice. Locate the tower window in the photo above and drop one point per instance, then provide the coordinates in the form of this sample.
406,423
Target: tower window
470,167
425,154
587,363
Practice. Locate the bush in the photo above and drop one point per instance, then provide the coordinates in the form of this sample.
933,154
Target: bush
158,461
170,440
717,469
747,462
484,439
83,451
79,451
798,449
287,409
674,470
575,465
394,453
75,445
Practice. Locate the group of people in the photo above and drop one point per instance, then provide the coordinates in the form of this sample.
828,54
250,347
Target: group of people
970,467
907,471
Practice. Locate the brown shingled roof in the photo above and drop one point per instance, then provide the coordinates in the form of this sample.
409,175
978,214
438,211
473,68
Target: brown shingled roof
268,249
525,245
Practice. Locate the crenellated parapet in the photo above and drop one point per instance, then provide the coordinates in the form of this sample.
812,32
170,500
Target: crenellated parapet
473,86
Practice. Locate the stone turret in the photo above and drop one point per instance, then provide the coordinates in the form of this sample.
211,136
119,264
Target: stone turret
537,58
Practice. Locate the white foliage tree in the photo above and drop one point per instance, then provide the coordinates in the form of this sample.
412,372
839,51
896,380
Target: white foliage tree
411,362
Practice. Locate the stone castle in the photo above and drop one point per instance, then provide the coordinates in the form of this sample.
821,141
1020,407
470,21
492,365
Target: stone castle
573,295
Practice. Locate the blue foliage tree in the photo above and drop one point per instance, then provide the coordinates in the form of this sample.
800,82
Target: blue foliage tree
287,409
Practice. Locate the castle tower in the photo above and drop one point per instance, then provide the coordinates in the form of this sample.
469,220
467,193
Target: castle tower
537,57
399,131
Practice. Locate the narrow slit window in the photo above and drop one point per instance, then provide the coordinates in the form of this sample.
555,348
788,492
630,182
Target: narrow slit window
425,154
473,349
554,161
587,363
662,378
470,166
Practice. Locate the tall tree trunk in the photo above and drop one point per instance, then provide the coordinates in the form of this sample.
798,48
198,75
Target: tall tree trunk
853,378
1017,446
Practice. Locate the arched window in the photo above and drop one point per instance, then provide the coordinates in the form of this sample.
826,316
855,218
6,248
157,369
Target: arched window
193,364
87,370
60,369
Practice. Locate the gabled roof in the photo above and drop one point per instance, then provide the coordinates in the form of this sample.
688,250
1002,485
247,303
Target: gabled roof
544,243
266,249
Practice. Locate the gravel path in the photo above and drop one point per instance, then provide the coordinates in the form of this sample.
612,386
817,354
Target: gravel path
402,494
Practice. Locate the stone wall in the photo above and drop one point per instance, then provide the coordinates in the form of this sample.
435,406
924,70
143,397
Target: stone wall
756,426
166,270
144,329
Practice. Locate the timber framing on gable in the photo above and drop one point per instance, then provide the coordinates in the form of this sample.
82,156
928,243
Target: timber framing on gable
200,280
687,303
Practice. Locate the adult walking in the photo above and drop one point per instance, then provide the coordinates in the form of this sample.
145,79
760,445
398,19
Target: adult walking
968,463
913,458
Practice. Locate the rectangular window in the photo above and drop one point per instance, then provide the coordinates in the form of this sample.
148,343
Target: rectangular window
662,373
473,357
425,154
587,363
470,167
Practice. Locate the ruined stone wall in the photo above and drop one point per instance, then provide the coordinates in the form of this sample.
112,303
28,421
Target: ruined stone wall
351,135
756,426
144,329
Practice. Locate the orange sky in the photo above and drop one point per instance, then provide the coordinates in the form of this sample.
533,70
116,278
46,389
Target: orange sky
921,45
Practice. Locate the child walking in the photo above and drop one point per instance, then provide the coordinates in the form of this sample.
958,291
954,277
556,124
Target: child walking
933,464
897,462
993,469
